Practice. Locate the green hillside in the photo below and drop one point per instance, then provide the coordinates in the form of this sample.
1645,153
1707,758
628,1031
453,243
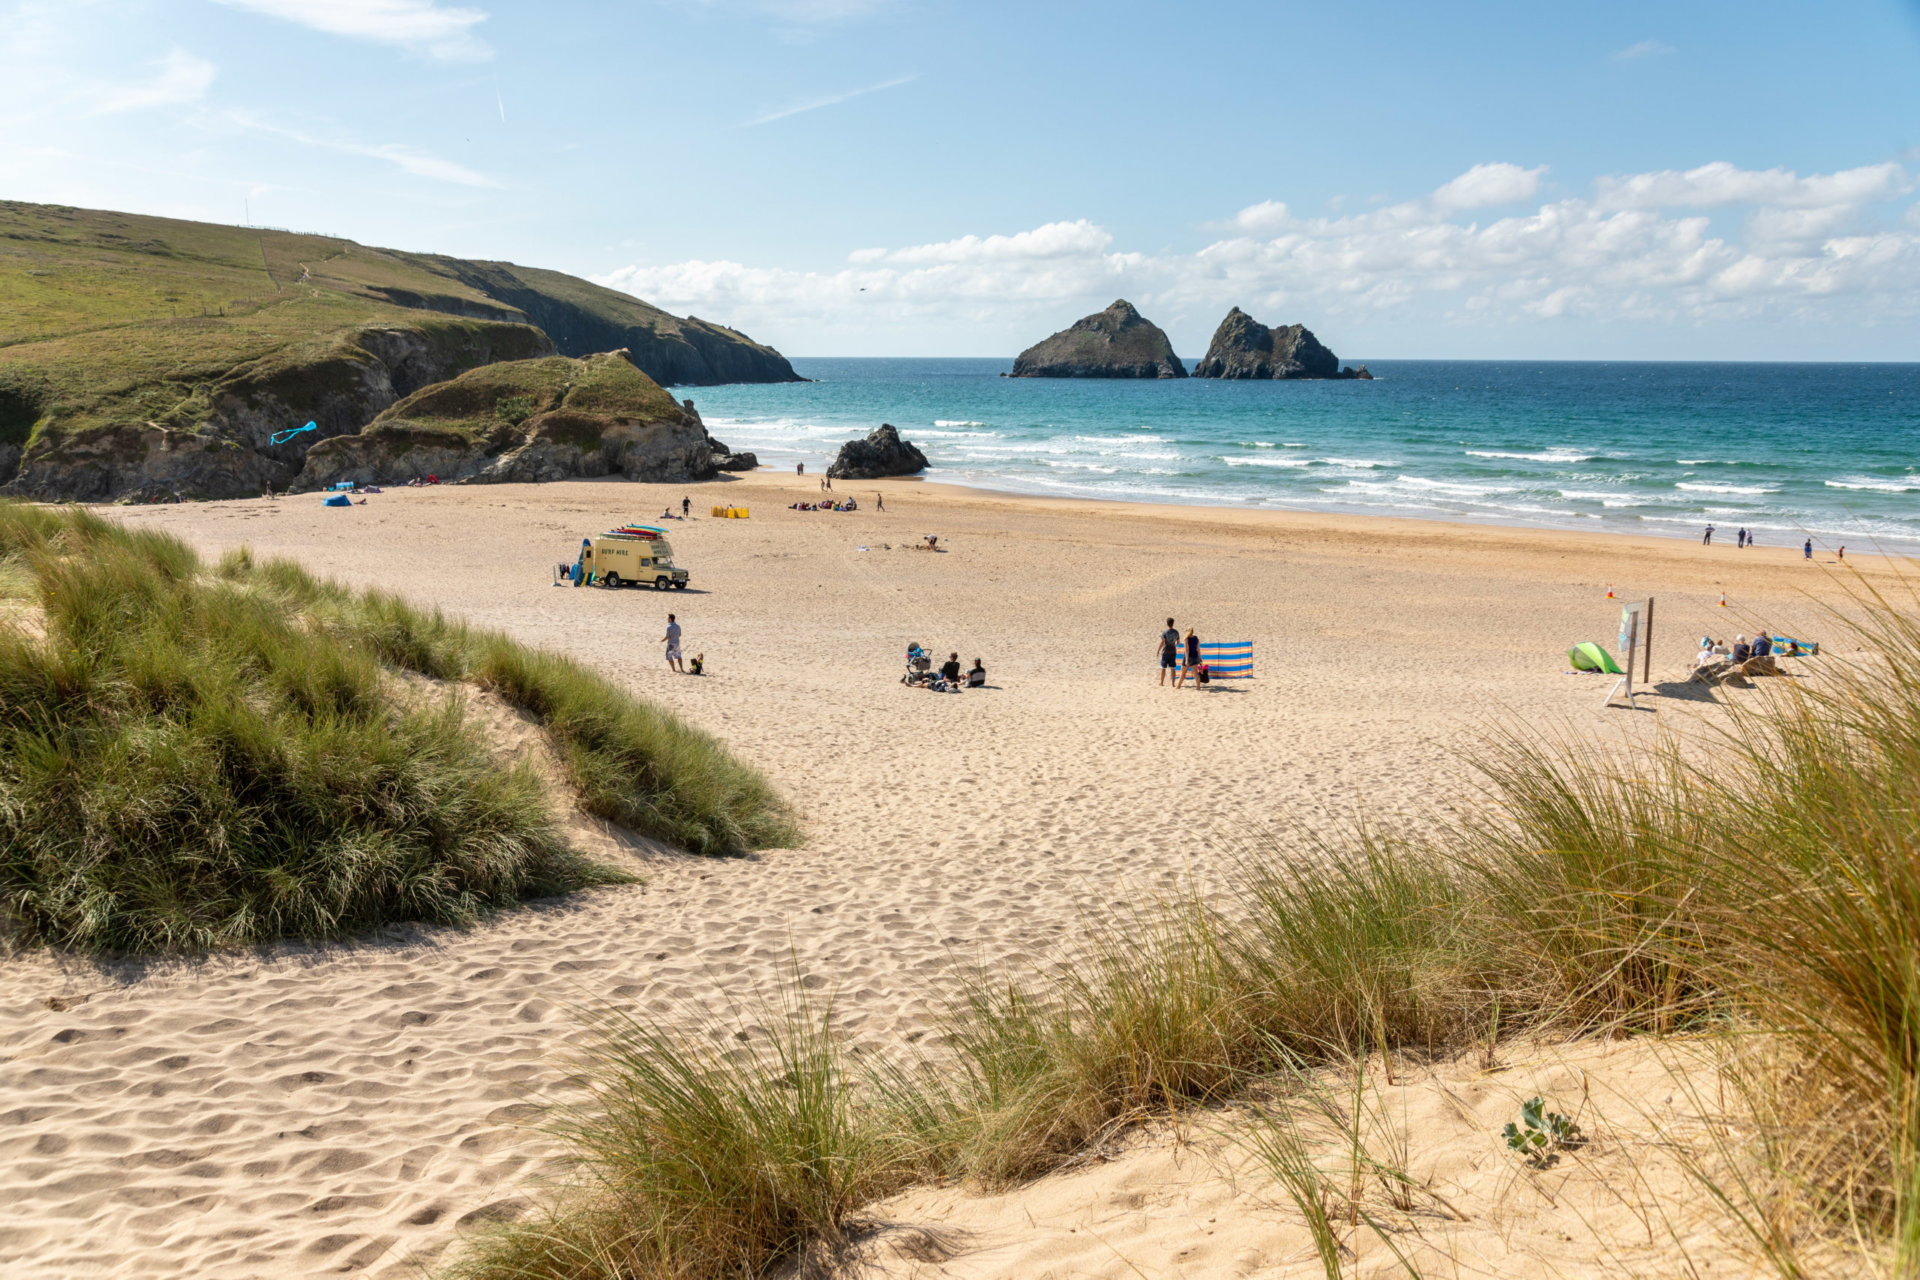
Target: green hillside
141,356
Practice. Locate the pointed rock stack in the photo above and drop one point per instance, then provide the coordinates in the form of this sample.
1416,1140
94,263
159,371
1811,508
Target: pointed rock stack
1242,347
1116,343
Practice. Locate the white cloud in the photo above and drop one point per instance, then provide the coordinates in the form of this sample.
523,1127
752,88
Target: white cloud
1489,184
412,160
1645,49
1825,248
1721,183
418,25
814,104
180,77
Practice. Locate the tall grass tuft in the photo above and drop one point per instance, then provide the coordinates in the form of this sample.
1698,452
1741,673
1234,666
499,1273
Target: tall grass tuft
192,760
717,1152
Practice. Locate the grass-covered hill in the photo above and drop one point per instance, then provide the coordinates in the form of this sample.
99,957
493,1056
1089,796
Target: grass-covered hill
194,756
527,421
142,356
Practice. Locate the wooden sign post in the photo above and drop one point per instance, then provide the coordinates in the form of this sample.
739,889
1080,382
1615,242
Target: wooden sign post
1631,617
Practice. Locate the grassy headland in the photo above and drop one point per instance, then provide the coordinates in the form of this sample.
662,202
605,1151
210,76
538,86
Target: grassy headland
124,336
194,758
1773,898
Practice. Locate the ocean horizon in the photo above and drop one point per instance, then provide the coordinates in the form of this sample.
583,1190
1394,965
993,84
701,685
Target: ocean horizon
1829,451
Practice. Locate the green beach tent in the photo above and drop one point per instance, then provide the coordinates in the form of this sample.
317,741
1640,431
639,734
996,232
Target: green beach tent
1588,656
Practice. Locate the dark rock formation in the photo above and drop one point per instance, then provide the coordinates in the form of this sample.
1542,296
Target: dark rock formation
527,421
1242,347
882,453
1116,343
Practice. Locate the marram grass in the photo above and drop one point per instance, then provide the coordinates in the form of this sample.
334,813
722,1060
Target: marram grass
192,760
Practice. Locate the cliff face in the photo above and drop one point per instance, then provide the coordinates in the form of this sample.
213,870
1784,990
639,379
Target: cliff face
582,317
527,421
1242,347
1116,343
140,357
217,442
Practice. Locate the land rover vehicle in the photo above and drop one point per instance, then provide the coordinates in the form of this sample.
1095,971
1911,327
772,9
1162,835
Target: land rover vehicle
637,554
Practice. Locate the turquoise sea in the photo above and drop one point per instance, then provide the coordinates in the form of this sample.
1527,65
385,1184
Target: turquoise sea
1786,450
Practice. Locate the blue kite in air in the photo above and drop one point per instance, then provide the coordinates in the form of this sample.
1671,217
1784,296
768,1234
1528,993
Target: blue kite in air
281,437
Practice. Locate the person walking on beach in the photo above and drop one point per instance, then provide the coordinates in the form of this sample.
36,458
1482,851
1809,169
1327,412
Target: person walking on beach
1740,539
1193,658
673,645
1706,539
686,508
1843,555
1169,650
879,502
1806,552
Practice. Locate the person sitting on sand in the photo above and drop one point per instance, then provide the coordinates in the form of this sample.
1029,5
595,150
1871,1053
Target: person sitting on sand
977,677
1741,650
950,669
699,665
1763,645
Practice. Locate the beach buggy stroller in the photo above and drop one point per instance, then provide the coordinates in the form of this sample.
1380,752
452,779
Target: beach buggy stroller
919,666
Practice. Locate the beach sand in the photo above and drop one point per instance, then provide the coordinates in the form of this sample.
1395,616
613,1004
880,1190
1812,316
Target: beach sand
306,1110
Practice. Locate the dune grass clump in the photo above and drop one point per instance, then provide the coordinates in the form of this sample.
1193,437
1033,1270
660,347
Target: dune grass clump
1773,892
181,767
712,1152
192,760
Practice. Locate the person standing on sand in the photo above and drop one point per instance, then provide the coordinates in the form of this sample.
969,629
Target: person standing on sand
686,508
1806,552
673,645
1193,658
1843,554
1169,650
1706,539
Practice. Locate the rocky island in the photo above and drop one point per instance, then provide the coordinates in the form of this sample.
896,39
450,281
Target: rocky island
882,453
1116,343
1244,348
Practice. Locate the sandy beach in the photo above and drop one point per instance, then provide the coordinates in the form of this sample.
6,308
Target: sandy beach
309,1110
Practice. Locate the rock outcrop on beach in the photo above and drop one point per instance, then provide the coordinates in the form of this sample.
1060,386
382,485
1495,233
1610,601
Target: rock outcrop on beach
529,421
1244,348
882,453
142,357
1116,343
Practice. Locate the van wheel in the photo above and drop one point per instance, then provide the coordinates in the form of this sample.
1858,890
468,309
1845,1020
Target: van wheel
659,584
679,586
611,580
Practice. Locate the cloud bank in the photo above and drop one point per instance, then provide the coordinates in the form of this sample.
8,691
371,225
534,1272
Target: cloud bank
1709,244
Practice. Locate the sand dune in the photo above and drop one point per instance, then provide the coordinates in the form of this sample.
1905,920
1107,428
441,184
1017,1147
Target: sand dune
305,1110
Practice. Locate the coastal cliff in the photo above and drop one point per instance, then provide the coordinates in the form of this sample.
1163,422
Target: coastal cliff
143,357
1243,348
529,421
1116,343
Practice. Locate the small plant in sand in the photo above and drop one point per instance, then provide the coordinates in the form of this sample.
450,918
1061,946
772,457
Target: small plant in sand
1541,1135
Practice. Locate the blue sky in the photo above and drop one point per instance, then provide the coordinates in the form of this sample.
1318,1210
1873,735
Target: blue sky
891,177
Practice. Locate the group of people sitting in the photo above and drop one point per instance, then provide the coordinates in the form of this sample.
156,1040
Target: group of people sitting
1742,657
848,505
948,679
418,483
